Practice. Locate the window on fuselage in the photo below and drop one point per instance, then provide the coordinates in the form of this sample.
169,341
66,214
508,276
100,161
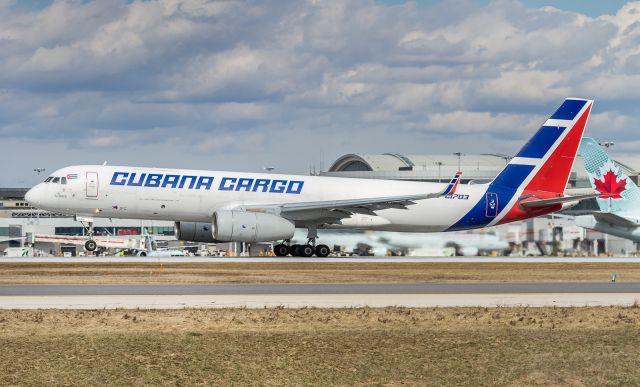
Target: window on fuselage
56,180
63,180
48,179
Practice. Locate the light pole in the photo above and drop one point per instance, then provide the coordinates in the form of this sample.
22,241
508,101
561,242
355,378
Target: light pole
38,170
459,156
439,164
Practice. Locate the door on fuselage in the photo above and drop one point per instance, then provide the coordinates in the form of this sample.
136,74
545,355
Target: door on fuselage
492,204
92,184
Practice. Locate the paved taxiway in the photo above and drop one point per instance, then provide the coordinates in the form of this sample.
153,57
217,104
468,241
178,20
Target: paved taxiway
316,295
317,289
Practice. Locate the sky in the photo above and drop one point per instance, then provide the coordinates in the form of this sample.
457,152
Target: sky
233,85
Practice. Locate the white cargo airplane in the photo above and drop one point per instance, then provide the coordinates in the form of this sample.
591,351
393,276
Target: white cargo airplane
210,206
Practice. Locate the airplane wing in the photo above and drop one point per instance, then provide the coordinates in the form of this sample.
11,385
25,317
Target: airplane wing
536,203
341,208
617,220
338,209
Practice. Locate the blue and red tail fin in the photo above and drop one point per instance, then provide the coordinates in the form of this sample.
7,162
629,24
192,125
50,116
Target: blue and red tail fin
549,156
551,152
453,185
541,168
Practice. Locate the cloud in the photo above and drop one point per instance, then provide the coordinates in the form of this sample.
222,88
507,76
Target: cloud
239,85
463,122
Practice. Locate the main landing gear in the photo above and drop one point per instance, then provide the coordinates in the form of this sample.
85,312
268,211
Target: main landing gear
307,250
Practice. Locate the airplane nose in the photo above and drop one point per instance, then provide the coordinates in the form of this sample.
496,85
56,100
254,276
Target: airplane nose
32,196
28,196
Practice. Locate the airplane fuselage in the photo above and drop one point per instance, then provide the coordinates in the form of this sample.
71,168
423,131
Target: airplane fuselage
194,195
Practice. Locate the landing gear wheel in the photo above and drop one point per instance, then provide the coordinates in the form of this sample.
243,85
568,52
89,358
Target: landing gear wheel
281,250
293,250
305,250
90,245
322,251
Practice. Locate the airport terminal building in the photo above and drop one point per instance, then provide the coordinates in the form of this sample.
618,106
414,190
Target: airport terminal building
440,168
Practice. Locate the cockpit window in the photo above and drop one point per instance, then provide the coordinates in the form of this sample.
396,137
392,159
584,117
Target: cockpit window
48,179
55,180
63,180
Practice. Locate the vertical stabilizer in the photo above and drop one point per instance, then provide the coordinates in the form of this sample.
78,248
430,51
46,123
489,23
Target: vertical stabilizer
540,170
545,161
620,194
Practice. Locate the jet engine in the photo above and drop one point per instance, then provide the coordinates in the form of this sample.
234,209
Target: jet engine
244,226
194,232
236,226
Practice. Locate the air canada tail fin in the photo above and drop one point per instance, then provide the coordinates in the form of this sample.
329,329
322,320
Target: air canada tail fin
545,161
619,192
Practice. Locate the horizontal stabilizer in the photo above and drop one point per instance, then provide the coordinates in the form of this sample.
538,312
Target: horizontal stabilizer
616,220
559,200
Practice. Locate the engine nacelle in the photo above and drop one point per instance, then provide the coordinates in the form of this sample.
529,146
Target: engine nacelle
243,226
195,232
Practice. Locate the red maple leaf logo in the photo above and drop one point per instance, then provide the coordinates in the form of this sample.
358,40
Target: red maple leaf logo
609,187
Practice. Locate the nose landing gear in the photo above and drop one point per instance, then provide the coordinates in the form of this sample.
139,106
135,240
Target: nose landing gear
89,245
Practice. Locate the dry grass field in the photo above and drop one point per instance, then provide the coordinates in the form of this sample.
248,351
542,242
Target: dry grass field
457,346
211,273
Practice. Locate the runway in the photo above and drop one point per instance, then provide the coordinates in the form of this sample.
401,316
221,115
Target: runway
320,260
316,295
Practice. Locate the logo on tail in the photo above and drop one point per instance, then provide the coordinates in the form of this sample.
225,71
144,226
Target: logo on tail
619,192
610,186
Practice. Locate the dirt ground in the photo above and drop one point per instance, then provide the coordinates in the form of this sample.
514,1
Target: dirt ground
211,273
394,346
